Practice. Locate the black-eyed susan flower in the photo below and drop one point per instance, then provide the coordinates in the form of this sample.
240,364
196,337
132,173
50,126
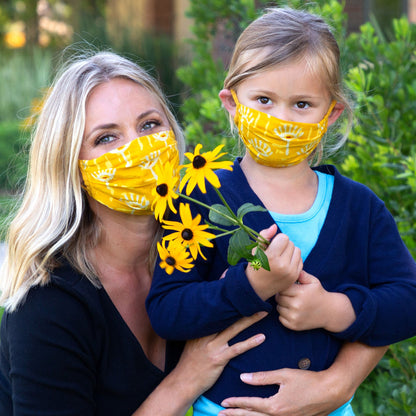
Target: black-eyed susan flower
201,168
164,191
189,233
174,256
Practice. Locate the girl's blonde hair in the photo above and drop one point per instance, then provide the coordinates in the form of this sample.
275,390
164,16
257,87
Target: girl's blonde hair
284,35
54,219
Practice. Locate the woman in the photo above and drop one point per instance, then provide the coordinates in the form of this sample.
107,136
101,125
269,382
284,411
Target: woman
75,337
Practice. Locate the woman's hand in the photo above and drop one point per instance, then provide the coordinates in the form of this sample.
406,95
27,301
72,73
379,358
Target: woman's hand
305,392
201,363
206,357
300,393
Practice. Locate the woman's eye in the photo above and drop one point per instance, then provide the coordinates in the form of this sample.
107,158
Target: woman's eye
151,124
264,100
105,138
302,104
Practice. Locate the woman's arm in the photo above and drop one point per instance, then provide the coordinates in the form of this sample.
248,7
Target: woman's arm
200,365
306,392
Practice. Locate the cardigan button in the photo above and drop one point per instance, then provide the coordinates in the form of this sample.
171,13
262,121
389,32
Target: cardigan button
304,363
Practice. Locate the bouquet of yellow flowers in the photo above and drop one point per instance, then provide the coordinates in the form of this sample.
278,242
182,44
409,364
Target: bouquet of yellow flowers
183,245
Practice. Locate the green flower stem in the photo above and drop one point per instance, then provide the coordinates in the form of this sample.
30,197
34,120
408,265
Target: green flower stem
254,234
233,219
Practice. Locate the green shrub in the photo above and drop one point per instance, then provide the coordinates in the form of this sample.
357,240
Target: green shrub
381,151
12,161
389,390
23,73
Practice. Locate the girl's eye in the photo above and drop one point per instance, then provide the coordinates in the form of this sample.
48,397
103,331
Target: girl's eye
302,104
151,124
264,100
105,139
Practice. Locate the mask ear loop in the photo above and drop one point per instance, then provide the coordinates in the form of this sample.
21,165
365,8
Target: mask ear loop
233,93
331,107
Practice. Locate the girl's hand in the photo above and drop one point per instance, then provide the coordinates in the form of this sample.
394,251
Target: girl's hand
285,265
301,393
307,305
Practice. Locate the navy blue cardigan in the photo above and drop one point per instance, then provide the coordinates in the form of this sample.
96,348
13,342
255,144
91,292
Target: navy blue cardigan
67,351
359,252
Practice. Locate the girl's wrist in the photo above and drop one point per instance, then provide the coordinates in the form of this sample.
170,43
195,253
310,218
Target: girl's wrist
340,314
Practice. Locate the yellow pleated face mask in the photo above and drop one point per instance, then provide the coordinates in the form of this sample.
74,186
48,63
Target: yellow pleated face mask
274,142
123,179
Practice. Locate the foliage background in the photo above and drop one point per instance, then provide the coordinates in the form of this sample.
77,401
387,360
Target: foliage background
379,63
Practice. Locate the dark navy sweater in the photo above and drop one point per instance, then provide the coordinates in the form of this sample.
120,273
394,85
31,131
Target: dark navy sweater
359,252
67,351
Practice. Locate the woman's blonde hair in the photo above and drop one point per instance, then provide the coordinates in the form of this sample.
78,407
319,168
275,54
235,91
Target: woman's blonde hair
284,35
54,219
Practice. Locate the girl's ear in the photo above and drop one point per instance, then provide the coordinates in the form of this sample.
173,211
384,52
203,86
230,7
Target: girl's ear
228,101
336,112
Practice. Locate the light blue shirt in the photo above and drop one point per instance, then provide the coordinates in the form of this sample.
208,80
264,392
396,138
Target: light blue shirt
303,229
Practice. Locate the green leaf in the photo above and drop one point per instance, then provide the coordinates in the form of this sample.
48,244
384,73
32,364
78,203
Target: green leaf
261,256
248,207
239,246
222,217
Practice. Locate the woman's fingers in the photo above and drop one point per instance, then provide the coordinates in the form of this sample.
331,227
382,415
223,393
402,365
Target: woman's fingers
243,406
262,378
239,326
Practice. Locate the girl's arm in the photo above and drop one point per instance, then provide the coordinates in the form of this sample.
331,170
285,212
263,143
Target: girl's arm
307,392
200,365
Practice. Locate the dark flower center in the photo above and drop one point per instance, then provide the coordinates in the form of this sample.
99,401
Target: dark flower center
199,162
187,234
162,189
170,260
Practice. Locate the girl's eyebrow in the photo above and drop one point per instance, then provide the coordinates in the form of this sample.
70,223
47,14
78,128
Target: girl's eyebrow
305,97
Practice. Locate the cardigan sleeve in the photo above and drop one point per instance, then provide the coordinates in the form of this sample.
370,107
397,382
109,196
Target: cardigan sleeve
198,303
386,307
48,344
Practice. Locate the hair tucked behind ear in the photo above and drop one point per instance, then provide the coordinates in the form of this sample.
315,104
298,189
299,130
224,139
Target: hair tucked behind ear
54,219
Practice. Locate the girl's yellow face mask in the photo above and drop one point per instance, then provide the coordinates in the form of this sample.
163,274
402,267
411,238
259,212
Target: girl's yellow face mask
123,179
274,142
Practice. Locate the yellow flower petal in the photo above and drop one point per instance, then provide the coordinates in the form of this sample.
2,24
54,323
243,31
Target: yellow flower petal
201,169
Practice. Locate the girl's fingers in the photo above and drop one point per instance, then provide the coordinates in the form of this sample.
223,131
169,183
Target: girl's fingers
268,233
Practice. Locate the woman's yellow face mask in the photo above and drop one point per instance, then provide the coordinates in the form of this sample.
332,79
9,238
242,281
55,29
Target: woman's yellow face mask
123,179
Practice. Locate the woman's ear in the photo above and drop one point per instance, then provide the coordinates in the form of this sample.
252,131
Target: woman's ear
335,113
228,101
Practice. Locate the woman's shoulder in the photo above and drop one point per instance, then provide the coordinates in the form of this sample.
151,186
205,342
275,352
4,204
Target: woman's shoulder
68,302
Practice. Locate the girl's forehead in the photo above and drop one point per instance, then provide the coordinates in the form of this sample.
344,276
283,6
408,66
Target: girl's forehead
259,62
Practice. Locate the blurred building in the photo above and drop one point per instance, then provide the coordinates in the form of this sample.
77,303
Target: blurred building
168,16
150,16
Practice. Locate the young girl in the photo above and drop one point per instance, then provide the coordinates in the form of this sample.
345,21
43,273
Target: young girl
337,240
